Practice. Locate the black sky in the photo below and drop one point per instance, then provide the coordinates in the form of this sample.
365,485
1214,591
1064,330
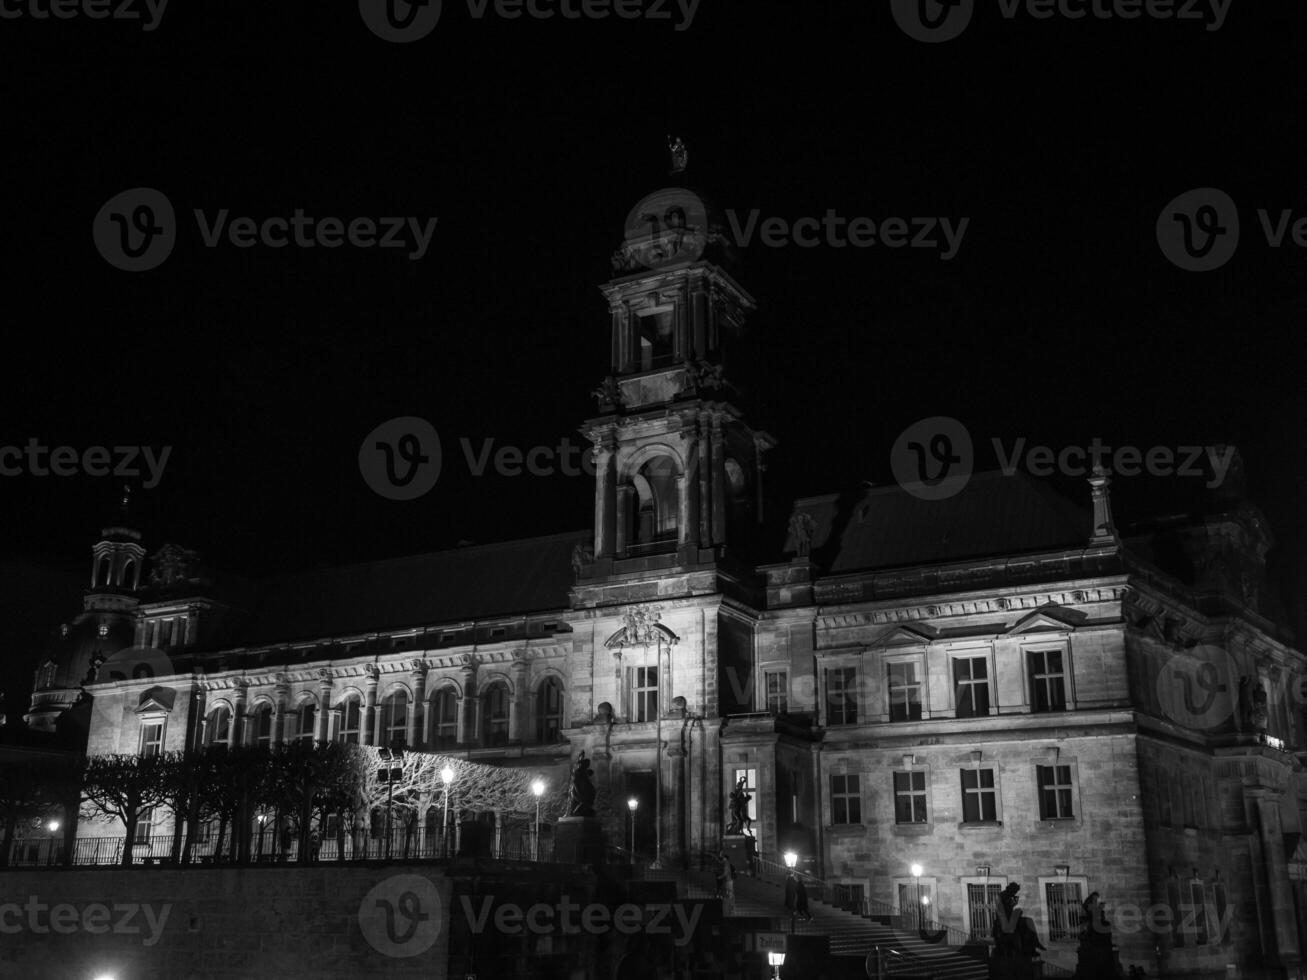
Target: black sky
1059,320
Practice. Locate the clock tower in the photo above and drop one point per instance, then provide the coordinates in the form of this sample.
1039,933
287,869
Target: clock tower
678,469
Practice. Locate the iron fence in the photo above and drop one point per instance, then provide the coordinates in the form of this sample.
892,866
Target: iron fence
162,850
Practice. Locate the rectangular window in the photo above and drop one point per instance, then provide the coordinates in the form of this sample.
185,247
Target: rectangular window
979,796
1164,798
1047,680
308,720
750,786
1065,911
971,686
1222,904
841,696
845,799
144,826
776,685
909,797
904,692
981,900
644,694
152,738
1054,792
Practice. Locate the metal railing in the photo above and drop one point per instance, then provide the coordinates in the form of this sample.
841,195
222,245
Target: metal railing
159,850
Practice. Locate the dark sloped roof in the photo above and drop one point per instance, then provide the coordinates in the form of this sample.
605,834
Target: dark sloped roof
477,582
994,514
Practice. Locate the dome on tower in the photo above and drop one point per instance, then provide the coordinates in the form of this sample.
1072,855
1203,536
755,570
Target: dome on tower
675,224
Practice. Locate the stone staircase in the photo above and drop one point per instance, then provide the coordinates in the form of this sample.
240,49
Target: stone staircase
850,934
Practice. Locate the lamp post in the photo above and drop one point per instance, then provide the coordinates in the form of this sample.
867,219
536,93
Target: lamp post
791,860
632,804
538,788
777,960
390,773
916,878
446,777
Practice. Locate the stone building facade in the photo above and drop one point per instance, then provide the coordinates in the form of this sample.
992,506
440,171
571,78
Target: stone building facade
998,687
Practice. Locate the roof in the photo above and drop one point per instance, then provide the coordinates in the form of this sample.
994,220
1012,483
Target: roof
477,582
994,514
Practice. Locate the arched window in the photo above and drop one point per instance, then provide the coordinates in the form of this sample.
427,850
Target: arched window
549,710
350,716
125,576
217,728
496,714
656,503
263,726
444,718
306,730
102,571
394,719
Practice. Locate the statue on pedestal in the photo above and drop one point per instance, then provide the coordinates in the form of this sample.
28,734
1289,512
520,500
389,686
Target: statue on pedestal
581,797
740,821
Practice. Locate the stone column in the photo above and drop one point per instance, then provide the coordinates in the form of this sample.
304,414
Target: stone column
605,496
518,712
370,714
705,482
673,814
1286,953
467,713
241,705
415,739
623,522
720,485
322,726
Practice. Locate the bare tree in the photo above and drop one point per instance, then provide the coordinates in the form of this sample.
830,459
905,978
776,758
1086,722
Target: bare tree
125,786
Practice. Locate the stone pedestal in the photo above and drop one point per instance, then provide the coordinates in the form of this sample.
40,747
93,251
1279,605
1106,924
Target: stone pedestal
736,847
579,840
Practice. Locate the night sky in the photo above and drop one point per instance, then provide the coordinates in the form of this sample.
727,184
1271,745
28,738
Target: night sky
1058,320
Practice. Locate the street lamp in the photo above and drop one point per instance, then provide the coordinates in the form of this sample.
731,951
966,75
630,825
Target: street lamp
777,960
446,777
632,804
916,877
538,788
390,774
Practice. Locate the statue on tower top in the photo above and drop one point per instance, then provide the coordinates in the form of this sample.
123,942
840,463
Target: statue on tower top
680,155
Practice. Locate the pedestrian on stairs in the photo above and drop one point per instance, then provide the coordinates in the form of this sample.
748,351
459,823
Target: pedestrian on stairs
801,901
